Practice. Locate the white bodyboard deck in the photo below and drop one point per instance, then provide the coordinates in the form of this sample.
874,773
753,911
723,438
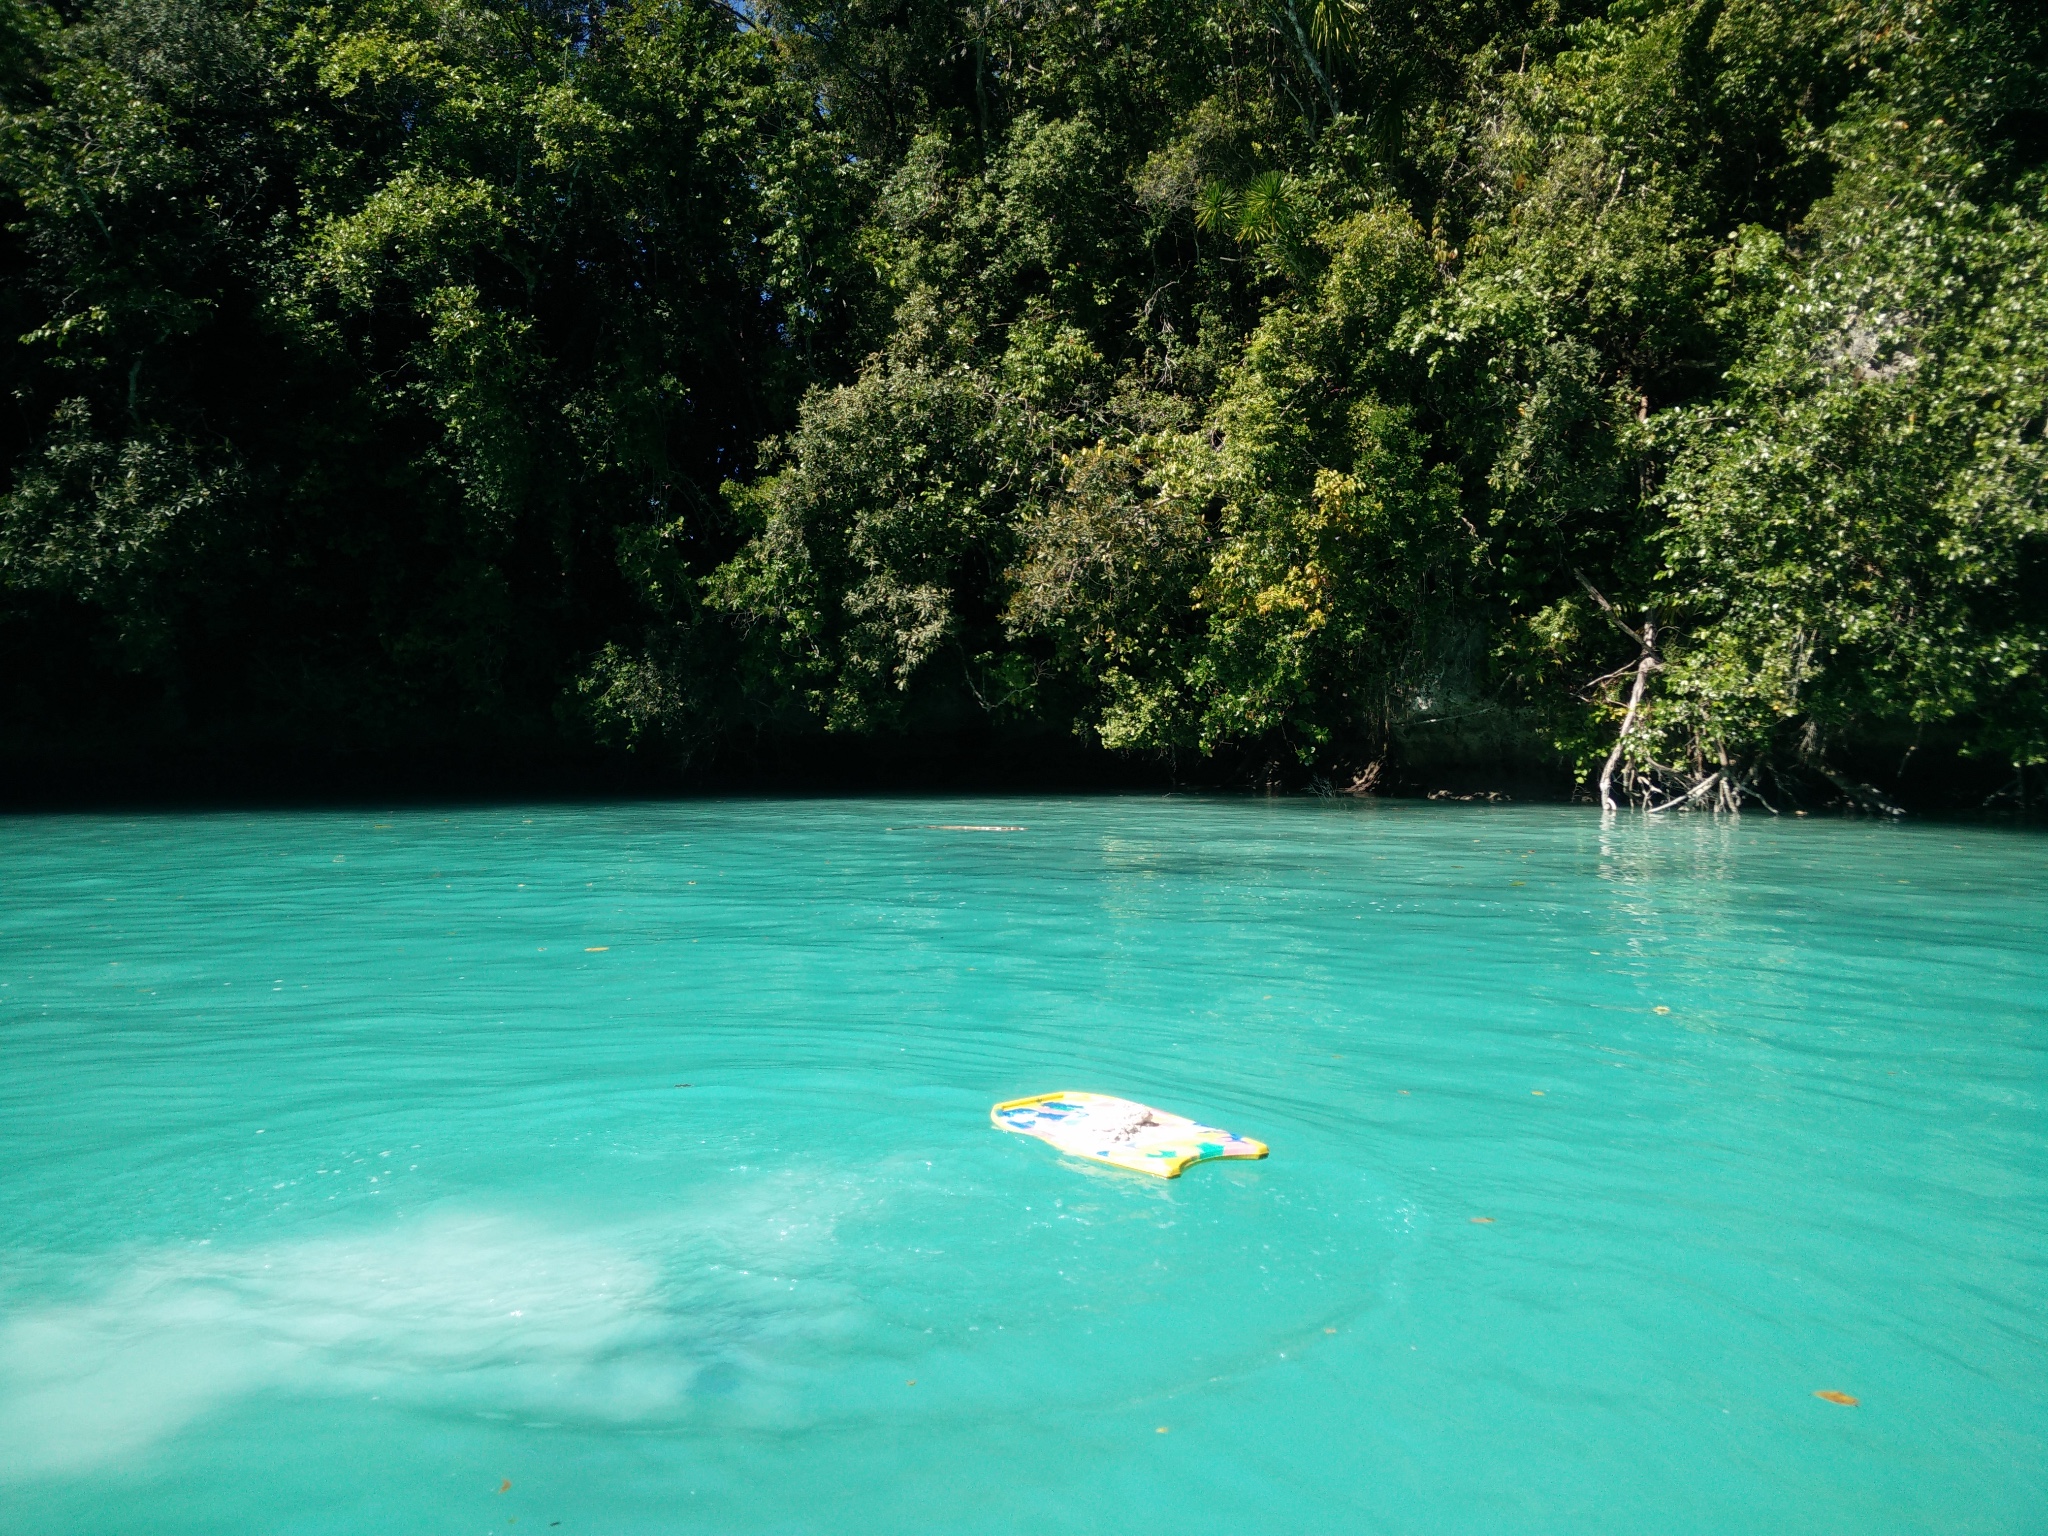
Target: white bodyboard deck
1120,1132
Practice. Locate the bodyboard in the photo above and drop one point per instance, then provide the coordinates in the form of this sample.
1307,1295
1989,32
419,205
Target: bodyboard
1120,1132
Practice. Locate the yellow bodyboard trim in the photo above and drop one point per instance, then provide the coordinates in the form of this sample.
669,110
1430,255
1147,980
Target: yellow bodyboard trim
1121,1132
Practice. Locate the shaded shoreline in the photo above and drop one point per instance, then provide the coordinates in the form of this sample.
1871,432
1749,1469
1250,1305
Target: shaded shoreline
1498,770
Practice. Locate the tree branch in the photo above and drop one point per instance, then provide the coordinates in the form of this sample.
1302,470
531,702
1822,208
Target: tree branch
1645,665
1690,795
1613,614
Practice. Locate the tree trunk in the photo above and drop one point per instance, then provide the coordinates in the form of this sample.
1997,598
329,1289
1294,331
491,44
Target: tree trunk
1644,667
1308,54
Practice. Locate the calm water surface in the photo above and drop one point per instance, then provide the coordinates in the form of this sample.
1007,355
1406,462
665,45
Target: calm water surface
345,1174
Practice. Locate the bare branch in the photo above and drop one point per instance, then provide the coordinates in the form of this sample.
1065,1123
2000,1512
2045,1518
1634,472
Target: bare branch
1690,795
1613,613
1644,666
1862,794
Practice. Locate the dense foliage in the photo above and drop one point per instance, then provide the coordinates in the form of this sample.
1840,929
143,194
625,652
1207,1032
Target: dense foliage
1264,384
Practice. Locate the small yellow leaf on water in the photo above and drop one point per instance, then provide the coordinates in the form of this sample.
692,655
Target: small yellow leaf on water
595,949
504,1485
1838,1397
911,1383
1660,1008
1160,1430
1537,1091
1484,1221
1329,1330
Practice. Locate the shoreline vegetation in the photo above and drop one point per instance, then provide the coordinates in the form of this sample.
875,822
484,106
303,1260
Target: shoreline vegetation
1641,402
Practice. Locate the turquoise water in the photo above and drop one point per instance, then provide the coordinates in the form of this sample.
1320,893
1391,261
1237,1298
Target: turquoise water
345,1175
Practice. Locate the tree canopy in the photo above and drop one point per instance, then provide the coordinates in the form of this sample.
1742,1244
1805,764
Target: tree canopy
1268,388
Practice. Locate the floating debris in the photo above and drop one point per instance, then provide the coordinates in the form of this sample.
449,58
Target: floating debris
1118,1132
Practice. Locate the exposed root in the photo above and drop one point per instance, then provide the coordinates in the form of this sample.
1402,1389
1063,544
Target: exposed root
1689,796
2013,791
1367,782
1862,795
